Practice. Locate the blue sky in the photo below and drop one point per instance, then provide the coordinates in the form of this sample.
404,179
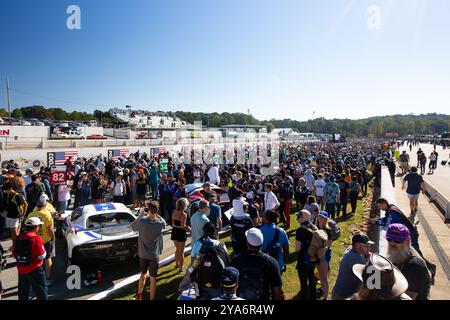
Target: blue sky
280,58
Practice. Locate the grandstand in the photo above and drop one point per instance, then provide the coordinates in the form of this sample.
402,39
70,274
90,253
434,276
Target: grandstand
140,119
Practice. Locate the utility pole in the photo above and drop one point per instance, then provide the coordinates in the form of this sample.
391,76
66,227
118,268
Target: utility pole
9,100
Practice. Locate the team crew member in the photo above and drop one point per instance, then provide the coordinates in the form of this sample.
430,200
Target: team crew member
29,252
150,226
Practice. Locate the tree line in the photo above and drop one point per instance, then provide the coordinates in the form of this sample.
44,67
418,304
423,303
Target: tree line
370,127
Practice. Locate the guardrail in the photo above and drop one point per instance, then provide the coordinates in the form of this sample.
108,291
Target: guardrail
439,199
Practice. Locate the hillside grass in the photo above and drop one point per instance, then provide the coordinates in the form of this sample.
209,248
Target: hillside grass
169,278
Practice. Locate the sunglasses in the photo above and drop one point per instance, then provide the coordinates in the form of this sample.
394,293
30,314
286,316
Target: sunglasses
395,241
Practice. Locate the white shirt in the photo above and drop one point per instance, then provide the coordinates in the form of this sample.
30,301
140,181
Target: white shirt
101,166
119,188
270,201
320,184
213,174
238,207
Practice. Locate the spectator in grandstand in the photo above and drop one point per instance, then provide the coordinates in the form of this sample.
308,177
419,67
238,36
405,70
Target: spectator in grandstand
347,283
408,261
259,273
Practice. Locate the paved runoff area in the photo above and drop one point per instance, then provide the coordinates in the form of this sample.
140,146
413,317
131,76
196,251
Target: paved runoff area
434,235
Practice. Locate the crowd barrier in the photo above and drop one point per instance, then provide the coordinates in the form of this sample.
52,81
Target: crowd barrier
441,201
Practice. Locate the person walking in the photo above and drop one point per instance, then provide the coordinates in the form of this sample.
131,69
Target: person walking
179,231
150,226
404,162
433,161
30,253
415,184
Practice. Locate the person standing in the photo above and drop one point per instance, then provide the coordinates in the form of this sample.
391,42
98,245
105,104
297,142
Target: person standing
319,186
179,231
154,180
141,189
305,266
408,261
33,191
16,208
331,196
270,199
213,174
415,184
260,276
286,195
347,284
118,188
433,161
392,168
422,162
215,214
198,220
150,226
229,282
344,189
276,243
63,197
355,190
404,162
47,234
29,252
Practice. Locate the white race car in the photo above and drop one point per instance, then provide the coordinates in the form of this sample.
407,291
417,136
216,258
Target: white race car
99,234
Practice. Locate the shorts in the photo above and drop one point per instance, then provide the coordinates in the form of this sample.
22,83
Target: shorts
151,266
12,223
49,249
404,165
413,196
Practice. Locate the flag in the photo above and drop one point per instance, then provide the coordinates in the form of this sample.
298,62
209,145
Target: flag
61,157
120,153
157,151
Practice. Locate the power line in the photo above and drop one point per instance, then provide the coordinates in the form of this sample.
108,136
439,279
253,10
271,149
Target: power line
50,98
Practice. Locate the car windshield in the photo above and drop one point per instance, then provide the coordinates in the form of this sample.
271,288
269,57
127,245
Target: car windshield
108,220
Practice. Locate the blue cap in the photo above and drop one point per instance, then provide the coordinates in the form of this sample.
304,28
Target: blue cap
230,277
323,214
29,170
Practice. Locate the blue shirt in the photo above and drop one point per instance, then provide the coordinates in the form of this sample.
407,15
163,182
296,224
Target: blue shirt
198,220
215,212
268,231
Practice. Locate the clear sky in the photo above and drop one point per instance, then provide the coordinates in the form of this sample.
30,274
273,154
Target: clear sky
280,58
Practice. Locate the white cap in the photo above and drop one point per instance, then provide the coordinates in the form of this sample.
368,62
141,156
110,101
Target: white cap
44,197
34,221
254,237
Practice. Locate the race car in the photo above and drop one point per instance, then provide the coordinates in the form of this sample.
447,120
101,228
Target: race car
99,234
195,193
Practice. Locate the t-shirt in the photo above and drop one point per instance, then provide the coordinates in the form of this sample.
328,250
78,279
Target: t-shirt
198,220
45,216
304,236
414,183
347,283
330,192
12,208
320,185
416,272
150,242
268,231
215,212
37,252
270,268
198,245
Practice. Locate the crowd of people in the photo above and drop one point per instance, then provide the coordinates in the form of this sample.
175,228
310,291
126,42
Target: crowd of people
315,182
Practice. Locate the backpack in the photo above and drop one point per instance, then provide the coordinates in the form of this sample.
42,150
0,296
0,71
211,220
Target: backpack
335,230
22,207
317,247
251,281
213,260
273,249
22,251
